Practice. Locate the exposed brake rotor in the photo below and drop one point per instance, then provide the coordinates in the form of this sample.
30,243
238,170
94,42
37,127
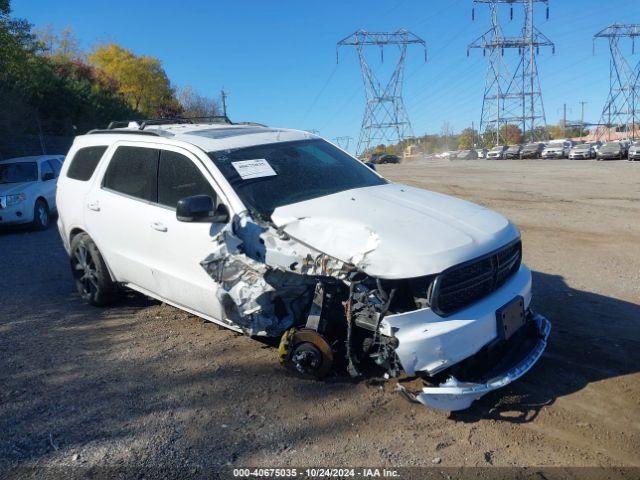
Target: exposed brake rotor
306,353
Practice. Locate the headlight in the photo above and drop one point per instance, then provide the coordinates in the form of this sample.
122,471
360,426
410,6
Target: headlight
15,199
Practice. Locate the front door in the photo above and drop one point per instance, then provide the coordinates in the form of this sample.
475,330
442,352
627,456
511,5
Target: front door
180,277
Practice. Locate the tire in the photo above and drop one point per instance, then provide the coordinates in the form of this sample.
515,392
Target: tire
90,273
41,215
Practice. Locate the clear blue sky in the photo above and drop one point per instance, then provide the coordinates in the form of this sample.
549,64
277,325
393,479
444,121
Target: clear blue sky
277,59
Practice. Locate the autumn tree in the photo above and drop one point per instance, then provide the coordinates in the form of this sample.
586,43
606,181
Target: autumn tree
467,139
140,79
511,134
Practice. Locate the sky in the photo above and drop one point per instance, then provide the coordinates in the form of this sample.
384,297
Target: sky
277,59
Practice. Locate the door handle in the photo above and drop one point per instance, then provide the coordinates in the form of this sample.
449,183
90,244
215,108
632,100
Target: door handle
158,226
94,205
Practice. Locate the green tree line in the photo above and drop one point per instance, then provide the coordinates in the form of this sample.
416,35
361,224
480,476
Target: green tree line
49,85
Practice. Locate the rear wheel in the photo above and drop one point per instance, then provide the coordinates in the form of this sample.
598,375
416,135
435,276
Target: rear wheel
41,215
90,273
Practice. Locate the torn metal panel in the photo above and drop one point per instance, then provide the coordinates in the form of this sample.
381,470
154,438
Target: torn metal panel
455,395
257,298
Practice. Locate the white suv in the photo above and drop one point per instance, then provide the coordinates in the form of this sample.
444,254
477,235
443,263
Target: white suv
28,190
280,233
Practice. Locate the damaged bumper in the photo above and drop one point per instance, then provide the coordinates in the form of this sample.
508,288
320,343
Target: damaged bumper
455,395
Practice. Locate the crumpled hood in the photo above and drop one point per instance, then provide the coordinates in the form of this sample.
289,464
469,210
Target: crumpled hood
12,188
395,231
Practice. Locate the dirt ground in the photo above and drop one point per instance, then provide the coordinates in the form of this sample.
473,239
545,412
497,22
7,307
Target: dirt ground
146,384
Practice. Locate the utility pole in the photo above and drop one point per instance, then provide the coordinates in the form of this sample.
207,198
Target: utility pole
385,118
512,99
582,130
621,108
564,119
223,98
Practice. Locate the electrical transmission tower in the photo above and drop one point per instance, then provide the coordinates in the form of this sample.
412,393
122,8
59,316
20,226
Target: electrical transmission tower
512,98
621,107
385,118
343,142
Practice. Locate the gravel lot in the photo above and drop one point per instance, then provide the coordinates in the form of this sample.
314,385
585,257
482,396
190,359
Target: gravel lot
146,384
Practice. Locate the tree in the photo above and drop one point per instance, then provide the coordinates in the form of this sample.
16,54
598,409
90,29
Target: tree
195,105
140,79
467,139
511,134
63,46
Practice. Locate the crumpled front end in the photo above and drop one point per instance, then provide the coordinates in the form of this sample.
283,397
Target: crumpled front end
453,394
448,328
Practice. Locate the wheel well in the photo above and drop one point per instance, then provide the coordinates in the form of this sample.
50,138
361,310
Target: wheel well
75,232
43,199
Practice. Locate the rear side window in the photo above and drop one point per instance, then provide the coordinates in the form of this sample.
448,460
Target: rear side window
178,177
45,167
133,171
84,162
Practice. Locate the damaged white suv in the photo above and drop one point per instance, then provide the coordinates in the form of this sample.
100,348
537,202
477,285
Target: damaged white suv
277,232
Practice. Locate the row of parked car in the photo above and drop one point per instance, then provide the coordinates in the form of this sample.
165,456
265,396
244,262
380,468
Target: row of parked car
553,149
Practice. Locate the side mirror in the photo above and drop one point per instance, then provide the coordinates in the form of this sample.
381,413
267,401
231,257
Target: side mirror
201,208
371,165
48,176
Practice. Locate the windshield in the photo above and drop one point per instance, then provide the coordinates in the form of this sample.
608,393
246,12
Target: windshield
496,149
531,146
18,172
610,147
266,177
513,148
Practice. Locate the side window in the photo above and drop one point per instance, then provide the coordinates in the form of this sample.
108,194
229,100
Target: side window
178,177
55,165
45,168
133,171
84,162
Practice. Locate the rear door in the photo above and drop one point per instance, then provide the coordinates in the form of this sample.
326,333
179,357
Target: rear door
48,187
118,214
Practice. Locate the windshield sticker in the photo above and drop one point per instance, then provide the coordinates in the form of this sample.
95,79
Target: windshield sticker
253,168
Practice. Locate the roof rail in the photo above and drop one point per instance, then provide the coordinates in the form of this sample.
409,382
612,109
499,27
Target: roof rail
143,123
128,131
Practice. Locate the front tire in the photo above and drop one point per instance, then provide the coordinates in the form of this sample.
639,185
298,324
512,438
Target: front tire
41,215
90,273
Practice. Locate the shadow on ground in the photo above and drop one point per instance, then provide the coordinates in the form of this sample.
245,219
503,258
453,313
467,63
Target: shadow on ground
593,338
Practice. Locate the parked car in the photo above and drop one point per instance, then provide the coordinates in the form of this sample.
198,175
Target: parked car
496,153
482,152
583,151
612,151
28,190
279,233
532,150
557,149
634,151
379,158
467,155
513,151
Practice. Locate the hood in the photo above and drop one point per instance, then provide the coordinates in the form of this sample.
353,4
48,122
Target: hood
395,231
12,188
